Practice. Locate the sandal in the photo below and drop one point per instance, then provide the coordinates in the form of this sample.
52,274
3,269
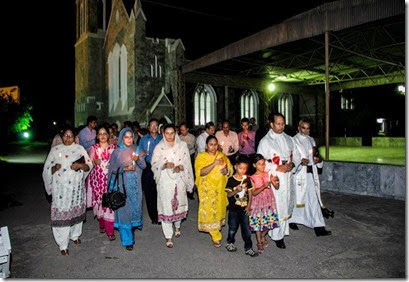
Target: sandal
129,248
101,230
111,238
169,244
265,243
65,252
177,232
217,244
260,248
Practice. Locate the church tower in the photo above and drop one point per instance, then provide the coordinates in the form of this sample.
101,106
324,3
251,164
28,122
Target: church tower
91,23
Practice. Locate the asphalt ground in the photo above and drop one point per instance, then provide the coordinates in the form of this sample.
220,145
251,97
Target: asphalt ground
367,241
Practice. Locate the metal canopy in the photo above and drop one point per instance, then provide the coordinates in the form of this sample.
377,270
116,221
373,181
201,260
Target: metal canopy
367,48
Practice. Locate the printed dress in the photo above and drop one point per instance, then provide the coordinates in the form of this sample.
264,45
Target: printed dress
263,206
97,181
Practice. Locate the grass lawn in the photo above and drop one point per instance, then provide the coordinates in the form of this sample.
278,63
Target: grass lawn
377,155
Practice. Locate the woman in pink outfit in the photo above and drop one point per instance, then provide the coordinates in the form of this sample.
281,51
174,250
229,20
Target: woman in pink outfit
100,154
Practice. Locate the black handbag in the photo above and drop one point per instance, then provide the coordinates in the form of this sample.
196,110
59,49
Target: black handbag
115,199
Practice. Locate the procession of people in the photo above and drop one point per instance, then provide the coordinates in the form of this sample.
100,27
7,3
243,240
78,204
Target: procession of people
265,188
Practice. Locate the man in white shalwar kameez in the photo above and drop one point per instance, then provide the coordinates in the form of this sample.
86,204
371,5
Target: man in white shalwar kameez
278,149
307,210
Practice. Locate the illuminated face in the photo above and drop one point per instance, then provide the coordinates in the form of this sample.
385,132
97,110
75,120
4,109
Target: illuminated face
304,128
212,146
153,127
102,135
169,134
68,137
127,139
211,130
245,125
226,128
183,130
278,125
260,165
241,168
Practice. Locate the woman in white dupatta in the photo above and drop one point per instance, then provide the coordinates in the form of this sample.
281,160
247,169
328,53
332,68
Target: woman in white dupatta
173,174
64,179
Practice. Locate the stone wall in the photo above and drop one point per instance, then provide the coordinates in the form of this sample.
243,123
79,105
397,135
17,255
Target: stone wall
386,181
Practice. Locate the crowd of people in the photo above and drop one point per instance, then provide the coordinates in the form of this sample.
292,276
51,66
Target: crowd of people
267,187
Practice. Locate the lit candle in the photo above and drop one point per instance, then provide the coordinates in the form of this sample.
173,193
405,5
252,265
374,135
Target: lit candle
59,155
244,177
149,143
133,154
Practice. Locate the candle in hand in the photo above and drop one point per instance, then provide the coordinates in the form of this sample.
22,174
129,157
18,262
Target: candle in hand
149,143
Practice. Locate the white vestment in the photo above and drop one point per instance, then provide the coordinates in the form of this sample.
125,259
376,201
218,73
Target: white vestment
307,210
277,148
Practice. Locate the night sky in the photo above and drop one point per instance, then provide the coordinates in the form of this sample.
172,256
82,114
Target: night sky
37,47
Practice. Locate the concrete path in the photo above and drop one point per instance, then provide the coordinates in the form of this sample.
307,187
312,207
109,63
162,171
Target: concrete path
368,241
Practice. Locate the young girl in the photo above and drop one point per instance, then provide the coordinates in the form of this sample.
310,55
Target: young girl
262,205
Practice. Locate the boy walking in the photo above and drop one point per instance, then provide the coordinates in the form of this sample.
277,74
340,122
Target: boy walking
237,192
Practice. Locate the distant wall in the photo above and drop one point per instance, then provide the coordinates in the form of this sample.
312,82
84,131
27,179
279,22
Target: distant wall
388,141
385,181
346,141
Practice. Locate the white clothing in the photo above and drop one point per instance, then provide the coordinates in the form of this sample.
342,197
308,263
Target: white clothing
308,204
275,148
62,235
172,199
167,228
201,142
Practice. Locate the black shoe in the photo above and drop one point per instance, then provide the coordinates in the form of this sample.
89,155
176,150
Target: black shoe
293,226
280,244
155,222
320,231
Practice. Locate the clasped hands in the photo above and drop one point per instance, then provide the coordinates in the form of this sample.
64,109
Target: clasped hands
223,166
175,169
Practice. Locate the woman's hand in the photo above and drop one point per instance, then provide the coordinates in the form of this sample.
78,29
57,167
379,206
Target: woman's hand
96,162
168,165
55,168
248,210
135,157
129,167
178,169
224,170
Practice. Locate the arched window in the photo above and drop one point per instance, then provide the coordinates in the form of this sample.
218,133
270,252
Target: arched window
285,106
118,79
249,104
124,77
204,104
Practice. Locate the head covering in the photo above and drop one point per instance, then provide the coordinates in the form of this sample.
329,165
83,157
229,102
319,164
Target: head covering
121,136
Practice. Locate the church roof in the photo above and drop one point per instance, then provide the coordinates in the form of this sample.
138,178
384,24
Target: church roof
129,5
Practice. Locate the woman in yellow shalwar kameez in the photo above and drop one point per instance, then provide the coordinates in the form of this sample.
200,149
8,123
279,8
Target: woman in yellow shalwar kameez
212,168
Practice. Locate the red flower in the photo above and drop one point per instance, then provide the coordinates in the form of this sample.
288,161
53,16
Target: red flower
276,159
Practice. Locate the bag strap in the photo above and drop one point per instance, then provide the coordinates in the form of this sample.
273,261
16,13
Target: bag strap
123,184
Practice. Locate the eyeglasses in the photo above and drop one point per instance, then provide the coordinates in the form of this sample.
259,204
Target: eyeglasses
68,136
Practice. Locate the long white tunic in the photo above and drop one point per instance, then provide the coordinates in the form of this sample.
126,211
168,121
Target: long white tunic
307,210
279,147
172,199
66,186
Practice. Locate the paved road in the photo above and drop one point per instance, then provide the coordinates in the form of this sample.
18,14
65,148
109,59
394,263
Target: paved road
368,241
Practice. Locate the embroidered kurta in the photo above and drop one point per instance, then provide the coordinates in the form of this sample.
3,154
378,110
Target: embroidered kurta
212,194
172,199
66,186
97,181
